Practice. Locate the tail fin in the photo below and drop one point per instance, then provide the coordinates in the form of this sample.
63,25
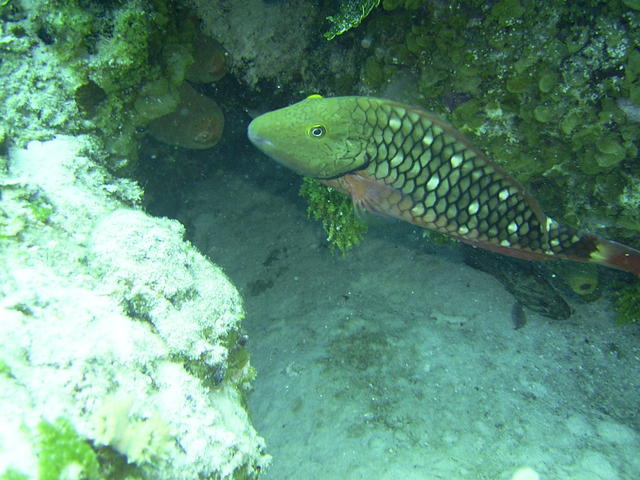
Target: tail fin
614,254
565,242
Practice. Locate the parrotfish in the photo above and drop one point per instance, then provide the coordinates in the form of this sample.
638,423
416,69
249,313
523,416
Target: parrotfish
403,162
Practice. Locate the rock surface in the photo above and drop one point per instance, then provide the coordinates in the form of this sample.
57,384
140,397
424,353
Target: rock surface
108,320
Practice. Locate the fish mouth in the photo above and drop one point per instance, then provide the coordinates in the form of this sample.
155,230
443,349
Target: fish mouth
257,139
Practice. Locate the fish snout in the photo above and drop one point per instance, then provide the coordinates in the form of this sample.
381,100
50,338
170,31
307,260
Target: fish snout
256,139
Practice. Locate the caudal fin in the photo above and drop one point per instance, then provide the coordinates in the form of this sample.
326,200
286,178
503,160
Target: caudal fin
565,242
614,254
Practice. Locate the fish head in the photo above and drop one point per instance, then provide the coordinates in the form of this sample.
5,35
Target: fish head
317,137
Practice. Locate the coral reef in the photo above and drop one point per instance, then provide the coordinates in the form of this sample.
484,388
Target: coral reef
259,37
113,308
140,440
120,342
41,111
125,63
278,46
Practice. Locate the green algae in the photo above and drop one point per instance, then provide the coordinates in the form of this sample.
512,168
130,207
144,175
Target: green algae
12,474
543,113
505,12
544,82
63,453
634,4
30,209
627,302
547,81
336,212
406,4
373,73
236,370
351,13
5,370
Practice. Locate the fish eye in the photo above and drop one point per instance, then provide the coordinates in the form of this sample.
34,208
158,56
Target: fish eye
317,131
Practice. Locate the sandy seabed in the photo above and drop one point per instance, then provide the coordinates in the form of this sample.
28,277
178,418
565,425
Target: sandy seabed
399,361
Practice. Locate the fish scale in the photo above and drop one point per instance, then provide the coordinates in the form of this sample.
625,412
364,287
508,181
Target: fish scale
404,162
453,187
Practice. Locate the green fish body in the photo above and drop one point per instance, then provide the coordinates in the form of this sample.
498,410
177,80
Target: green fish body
403,162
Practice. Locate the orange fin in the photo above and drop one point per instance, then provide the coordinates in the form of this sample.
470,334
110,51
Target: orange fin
368,195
